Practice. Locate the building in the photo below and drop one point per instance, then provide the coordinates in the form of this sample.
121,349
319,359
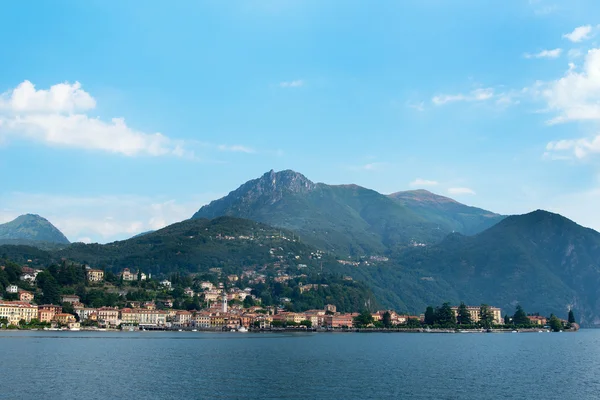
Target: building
127,275
46,312
476,316
537,320
166,283
65,318
109,316
85,313
95,275
25,296
224,303
183,318
70,298
12,289
15,311
188,292
339,320
330,308
202,319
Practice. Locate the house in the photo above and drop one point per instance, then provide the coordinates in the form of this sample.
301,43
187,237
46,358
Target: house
12,289
25,296
166,283
537,320
27,277
65,318
95,275
188,292
149,305
143,276
70,298
202,319
207,285
127,275
330,308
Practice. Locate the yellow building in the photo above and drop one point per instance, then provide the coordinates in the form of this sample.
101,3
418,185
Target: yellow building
15,311
476,316
95,275
65,319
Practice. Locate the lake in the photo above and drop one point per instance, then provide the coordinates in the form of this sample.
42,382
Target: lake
197,365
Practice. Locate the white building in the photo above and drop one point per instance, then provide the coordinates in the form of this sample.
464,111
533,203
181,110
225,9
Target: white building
166,283
12,289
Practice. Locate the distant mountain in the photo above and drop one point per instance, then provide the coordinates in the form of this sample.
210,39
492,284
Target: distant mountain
543,261
448,214
30,229
141,234
346,219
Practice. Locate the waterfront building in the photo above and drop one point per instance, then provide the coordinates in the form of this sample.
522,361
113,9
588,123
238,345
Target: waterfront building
15,311
476,316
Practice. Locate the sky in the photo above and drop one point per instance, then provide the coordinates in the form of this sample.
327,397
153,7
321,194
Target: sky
118,117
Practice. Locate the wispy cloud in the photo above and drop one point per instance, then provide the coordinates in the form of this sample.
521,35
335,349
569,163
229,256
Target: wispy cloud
555,53
461,191
59,117
291,84
423,182
481,94
420,106
236,149
579,34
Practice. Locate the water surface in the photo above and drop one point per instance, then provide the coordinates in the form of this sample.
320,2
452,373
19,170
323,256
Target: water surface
196,365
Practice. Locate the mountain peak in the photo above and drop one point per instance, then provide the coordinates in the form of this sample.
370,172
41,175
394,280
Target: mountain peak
284,180
32,227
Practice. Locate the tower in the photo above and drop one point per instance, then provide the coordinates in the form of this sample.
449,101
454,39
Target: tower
224,305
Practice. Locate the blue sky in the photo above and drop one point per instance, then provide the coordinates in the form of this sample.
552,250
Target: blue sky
117,118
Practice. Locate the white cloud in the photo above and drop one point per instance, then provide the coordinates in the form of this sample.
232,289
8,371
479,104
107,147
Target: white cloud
423,182
481,94
236,149
575,96
420,106
56,117
291,84
579,34
580,148
555,53
104,218
461,191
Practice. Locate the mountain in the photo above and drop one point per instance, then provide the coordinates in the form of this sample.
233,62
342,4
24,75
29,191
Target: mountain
448,214
543,261
31,229
345,219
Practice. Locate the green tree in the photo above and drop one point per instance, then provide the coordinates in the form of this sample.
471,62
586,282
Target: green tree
387,320
506,319
248,302
571,317
306,323
363,319
444,316
50,288
520,318
429,316
486,316
555,323
463,316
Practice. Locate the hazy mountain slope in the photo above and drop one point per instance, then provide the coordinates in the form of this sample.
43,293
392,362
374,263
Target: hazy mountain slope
32,227
447,213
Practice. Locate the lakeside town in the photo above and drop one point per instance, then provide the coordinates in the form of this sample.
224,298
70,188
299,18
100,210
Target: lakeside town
224,306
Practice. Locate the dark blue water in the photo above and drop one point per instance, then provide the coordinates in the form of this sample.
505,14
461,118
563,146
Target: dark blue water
190,365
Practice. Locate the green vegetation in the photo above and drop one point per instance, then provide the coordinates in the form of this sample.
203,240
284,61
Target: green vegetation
555,323
363,320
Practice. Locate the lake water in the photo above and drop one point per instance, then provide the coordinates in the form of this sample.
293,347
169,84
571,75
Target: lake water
195,365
